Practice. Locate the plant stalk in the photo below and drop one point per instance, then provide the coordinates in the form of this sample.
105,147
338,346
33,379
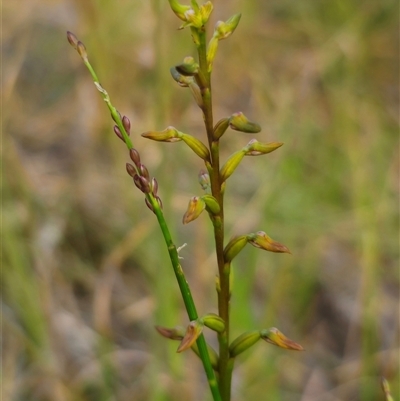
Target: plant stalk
225,373
187,298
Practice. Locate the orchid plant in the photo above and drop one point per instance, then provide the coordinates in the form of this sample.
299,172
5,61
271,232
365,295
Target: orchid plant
196,76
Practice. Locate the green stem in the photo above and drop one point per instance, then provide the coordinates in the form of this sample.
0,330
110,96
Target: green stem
172,250
187,298
225,373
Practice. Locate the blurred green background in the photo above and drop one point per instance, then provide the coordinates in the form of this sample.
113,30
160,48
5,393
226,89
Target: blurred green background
85,272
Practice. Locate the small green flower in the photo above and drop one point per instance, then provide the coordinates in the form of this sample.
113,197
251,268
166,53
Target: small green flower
274,336
212,205
263,241
196,145
170,134
239,122
243,342
255,148
225,29
222,30
234,246
220,127
214,322
231,164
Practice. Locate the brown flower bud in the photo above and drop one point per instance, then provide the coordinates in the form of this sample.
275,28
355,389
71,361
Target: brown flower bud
80,47
131,170
127,124
72,39
145,185
118,133
154,186
148,204
143,171
176,333
135,157
159,201
141,183
137,182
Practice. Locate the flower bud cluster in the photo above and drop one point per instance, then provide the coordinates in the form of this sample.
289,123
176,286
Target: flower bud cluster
77,45
126,124
139,173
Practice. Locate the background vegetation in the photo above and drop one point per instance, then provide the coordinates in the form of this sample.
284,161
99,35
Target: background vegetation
85,272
